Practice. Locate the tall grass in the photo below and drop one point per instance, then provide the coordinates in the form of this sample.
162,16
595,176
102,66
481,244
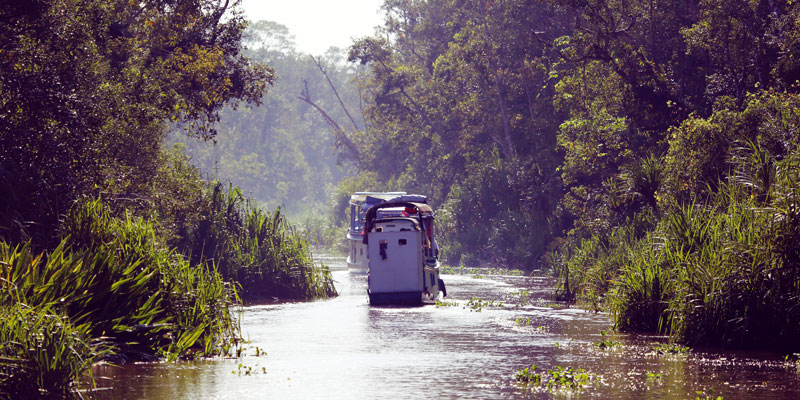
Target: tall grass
109,287
115,276
738,281
42,353
724,271
258,250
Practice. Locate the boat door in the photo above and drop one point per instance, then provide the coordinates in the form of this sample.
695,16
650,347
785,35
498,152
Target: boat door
395,262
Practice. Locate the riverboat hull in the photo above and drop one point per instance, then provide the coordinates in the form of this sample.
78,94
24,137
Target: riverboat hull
357,261
396,299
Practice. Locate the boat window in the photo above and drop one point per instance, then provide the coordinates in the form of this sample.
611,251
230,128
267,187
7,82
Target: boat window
402,242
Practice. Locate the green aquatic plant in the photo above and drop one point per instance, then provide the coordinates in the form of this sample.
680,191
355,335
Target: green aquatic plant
707,394
42,354
524,296
606,343
528,376
116,276
446,303
651,376
477,304
523,321
670,348
568,378
259,251
247,370
451,270
653,379
558,378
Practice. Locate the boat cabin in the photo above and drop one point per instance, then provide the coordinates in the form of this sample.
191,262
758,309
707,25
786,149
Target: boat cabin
402,254
360,202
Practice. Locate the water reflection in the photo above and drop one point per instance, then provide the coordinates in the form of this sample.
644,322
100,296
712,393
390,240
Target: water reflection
343,348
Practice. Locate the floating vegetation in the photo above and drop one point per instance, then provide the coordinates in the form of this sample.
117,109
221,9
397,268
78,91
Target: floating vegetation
523,321
450,270
793,361
247,370
556,306
670,348
446,303
558,378
477,304
568,378
653,377
707,394
528,376
606,343
524,296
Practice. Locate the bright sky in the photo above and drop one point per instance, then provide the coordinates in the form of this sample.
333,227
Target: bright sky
319,24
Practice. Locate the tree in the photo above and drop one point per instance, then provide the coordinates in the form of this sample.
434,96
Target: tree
87,89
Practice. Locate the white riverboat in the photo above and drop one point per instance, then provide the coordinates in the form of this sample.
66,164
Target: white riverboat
360,202
402,253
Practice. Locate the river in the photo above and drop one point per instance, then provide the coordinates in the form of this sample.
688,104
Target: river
465,349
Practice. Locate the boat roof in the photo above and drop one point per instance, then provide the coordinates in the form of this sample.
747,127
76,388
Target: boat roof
371,198
361,197
372,214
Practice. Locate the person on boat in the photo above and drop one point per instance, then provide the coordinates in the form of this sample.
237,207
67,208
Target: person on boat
409,211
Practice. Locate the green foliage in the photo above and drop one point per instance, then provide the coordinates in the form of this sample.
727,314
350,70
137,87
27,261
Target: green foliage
42,353
719,269
88,89
477,304
340,199
483,222
568,378
528,376
606,343
318,232
257,250
670,348
558,378
126,287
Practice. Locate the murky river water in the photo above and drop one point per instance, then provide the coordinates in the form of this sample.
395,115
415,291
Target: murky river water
343,348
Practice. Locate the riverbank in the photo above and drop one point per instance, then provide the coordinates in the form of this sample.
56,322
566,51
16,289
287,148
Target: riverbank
118,288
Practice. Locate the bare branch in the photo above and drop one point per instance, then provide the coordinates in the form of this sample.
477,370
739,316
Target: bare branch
338,132
335,92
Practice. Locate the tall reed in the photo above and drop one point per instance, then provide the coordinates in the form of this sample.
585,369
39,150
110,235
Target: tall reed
259,251
115,276
723,271
42,354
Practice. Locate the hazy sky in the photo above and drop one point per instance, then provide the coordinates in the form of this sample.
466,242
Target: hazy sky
319,24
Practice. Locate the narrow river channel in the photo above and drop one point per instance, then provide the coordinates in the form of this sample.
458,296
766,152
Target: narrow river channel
466,349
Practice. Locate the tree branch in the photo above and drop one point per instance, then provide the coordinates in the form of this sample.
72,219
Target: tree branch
335,92
338,132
